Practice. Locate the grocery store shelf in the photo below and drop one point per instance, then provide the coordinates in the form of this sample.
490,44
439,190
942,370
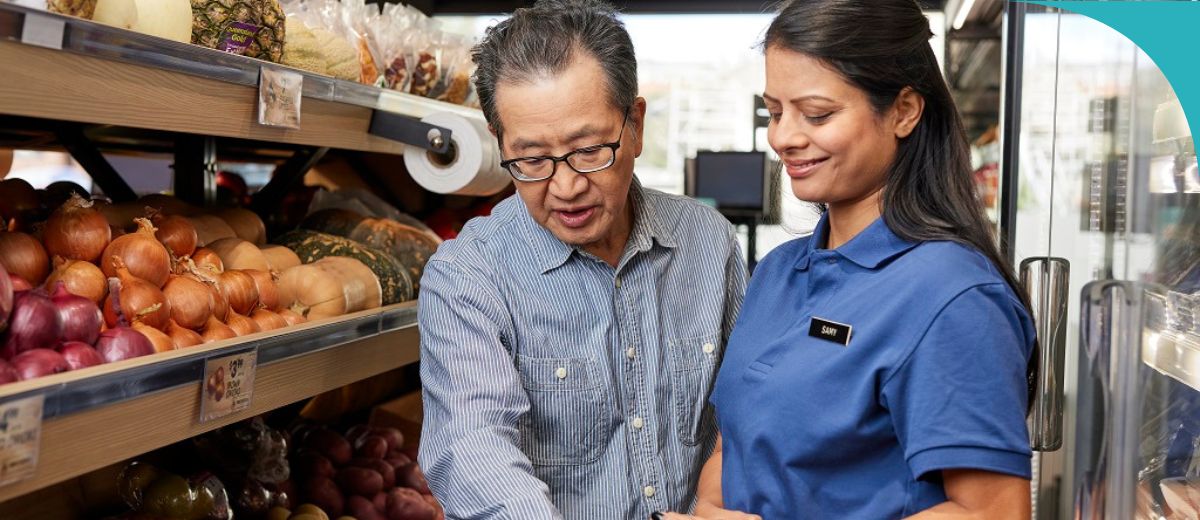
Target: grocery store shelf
109,76
103,415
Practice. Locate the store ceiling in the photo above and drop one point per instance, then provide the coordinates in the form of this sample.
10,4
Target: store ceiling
629,6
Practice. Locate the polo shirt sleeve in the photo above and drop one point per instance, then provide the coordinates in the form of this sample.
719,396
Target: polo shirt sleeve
959,400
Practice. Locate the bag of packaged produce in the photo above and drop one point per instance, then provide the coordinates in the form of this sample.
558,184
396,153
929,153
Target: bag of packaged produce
455,84
426,59
254,28
311,46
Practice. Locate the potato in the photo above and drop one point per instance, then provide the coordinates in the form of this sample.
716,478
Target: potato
406,504
357,433
383,468
372,447
363,509
310,465
311,509
307,516
333,446
380,500
278,513
437,507
398,460
411,476
325,494
360,481
394,438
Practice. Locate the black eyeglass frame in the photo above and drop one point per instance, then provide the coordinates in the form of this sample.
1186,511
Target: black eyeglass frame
615,145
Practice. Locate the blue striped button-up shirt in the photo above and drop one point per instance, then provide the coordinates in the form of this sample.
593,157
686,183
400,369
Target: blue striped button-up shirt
556,386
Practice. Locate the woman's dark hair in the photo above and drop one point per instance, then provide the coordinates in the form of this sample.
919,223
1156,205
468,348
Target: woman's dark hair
882,47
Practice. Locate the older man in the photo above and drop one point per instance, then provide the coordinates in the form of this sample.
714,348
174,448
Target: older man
570,340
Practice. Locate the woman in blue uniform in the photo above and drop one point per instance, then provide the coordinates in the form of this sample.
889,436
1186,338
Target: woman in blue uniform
879,367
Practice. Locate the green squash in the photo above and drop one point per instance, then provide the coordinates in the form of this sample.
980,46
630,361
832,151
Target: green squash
394,278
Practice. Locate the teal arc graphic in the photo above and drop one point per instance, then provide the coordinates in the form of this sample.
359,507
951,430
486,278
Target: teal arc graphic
1165,31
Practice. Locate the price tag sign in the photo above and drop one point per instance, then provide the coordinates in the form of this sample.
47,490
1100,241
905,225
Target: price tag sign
228,384
279,95
43,31
20,438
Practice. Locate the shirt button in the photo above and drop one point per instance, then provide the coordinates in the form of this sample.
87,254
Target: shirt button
618,282
561,373
638,423
630,353
648,491
709,348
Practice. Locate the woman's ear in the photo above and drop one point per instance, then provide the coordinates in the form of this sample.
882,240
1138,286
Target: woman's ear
908,108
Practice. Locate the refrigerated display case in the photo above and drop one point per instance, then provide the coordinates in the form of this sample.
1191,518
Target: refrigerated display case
1100,179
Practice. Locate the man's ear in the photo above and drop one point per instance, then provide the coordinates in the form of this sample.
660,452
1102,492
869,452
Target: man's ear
637,116
908,108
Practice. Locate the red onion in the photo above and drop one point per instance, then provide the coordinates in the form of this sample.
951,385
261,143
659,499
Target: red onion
18,284
80,355
8,374
122,342
35,324
6,298
39,362
81,318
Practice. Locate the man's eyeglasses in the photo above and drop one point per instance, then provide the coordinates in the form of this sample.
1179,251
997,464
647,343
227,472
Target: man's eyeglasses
584,160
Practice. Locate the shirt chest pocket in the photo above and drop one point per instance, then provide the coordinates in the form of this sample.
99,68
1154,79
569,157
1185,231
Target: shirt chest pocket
694,363
567,411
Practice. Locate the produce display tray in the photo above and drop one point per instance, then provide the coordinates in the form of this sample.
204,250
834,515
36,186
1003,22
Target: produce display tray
105,414
109,76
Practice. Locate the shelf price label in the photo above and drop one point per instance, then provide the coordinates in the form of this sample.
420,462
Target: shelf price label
43,31
228,384
20,438
279,96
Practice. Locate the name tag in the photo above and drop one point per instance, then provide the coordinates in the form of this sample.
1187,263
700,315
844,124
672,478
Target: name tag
830,331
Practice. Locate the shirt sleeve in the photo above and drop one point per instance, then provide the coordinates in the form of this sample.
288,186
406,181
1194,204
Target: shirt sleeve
959,400
473,400
735,291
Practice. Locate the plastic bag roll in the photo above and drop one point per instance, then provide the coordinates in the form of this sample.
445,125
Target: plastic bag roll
471,168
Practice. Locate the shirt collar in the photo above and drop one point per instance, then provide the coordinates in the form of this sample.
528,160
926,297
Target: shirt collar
648,229
870,248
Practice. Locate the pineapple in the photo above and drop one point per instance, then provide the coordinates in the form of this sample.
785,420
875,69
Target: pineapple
254,28
80,8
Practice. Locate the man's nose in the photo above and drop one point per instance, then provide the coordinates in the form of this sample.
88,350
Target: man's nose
566,184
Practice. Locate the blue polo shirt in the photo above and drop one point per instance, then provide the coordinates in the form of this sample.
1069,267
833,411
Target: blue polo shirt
932,377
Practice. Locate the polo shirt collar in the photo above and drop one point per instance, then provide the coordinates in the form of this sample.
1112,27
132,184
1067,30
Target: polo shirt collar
869,249
649,228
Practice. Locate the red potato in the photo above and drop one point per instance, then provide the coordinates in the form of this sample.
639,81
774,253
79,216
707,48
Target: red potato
311,465
333,446
411,476
383,468
363,509
380,500
395,439
398,460
437,507
406,504
360,481
357,433
372,447
324,494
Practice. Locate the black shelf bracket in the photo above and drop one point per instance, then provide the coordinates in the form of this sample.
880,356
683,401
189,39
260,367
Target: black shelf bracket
85,152
196,169
410,131
284,177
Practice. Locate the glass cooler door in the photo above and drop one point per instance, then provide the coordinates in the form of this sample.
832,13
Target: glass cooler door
1105,188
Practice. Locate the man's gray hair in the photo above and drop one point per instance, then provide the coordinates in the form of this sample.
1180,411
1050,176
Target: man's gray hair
542,40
